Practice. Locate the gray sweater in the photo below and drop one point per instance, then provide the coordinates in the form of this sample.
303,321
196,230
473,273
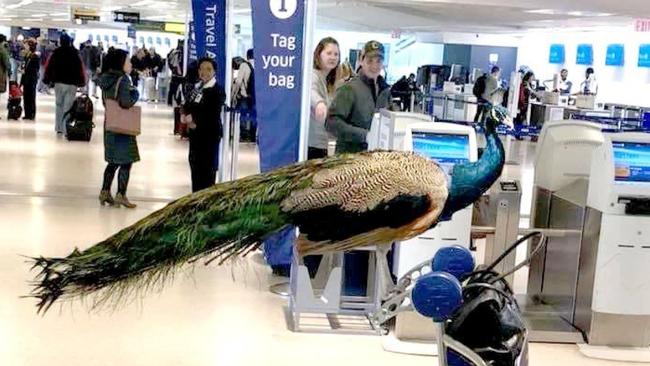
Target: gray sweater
318,136
352,110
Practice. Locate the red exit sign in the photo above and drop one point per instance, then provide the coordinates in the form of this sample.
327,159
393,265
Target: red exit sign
643,25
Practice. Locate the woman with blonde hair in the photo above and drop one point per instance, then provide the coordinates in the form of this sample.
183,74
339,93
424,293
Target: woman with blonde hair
345,73
323,87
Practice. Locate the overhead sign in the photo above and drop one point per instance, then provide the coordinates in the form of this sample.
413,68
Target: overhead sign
642,25
210,33
615,55
644,55
175,28
85,14
585,54
126,17
130,32
557,54
150,25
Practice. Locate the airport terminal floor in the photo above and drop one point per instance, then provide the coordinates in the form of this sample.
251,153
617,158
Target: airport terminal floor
210,315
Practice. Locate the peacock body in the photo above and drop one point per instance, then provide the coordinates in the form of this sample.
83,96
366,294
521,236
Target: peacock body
338,203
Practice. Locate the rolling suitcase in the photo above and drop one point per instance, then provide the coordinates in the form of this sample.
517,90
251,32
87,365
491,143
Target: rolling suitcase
14,108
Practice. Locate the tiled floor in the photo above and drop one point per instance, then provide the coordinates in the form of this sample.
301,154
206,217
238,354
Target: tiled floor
208,316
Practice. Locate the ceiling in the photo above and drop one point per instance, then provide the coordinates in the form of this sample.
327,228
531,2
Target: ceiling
488,16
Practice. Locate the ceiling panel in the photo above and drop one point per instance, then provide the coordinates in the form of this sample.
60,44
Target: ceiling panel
374,15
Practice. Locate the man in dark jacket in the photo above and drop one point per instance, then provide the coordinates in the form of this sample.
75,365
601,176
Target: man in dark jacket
350,117
64,70
355,103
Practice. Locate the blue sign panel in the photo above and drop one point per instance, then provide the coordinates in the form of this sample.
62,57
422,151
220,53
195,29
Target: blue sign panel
278,39
585,54
557,54
615,55
210,33
644,55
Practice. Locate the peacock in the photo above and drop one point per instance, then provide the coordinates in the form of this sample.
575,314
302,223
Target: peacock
338,203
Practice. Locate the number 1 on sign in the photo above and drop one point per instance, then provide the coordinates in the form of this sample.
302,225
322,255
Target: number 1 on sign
283,6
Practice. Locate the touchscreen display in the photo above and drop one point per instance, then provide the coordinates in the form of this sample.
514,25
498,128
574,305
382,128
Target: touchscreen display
446,149
631,162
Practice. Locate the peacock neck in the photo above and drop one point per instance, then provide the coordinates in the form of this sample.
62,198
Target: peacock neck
470,181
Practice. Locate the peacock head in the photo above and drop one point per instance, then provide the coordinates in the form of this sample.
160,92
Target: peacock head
495,116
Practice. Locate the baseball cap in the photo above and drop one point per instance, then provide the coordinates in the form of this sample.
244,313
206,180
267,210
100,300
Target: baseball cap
373,48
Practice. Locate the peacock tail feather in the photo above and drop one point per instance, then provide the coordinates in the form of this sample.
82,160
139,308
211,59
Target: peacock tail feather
227,220
338,203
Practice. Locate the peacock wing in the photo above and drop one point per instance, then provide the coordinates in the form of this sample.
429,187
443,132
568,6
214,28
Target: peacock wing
379,198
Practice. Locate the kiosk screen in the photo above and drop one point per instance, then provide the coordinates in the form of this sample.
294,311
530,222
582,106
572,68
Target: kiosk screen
446,149
631,161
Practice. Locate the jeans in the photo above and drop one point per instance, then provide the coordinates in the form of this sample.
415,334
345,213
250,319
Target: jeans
90,77
42,87
481,109
64,95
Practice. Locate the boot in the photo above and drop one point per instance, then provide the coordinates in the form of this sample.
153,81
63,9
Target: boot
106,198
121,200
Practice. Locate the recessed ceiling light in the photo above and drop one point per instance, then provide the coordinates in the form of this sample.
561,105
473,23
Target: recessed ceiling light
37,15
62,14
576,13
542,11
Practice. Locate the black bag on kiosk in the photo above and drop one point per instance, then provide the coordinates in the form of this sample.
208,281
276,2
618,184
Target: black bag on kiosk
490,321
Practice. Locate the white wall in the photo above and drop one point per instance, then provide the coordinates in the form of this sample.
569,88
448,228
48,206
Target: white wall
629,84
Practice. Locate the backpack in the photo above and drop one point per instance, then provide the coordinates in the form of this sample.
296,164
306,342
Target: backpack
79,119
82,109
479,86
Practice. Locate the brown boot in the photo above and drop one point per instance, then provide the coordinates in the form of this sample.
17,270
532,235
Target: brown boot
106,198
121,200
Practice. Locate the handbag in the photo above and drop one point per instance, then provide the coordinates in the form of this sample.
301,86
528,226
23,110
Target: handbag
125,121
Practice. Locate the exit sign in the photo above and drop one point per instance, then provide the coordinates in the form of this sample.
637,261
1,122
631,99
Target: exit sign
642,25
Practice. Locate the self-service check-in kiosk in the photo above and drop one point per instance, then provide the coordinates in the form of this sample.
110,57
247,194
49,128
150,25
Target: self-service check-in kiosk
562,170
613,297
448,144
593,288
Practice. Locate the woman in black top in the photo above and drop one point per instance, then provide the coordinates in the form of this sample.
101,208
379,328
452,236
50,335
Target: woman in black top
30,79
202,113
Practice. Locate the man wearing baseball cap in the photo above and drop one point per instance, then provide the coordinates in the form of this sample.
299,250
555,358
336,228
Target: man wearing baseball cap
355,103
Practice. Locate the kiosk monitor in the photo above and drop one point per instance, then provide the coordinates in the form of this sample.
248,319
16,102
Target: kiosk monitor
446,149
631,162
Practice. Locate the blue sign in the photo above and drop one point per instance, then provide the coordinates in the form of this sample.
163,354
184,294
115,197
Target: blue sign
115,37
644,55
158,41
557,54
210,33
585,55
278,39
130,33
615,55
191,55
